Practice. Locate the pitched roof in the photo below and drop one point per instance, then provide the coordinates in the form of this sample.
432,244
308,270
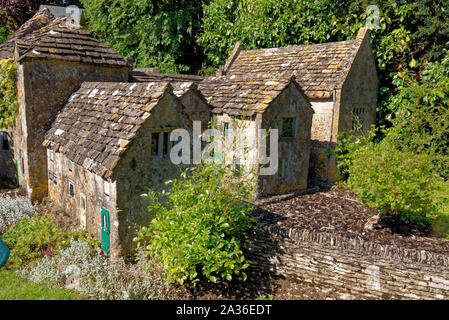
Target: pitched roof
38,21
243,95
318,68
100,119
62,40
150,74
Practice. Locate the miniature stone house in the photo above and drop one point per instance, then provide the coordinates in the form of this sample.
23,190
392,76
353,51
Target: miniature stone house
108,145
339,79
52,63
186,89
252,103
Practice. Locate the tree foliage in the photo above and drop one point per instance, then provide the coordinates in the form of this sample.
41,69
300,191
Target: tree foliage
159,34
8,93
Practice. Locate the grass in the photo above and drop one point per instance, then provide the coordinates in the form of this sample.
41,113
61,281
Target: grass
14,287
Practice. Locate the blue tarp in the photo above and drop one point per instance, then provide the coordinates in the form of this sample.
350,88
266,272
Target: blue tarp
4,253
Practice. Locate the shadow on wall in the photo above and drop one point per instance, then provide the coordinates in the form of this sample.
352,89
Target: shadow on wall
8,176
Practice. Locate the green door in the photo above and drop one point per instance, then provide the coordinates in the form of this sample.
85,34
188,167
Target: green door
105,230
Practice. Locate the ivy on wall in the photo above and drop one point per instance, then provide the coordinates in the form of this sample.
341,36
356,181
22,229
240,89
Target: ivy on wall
8,93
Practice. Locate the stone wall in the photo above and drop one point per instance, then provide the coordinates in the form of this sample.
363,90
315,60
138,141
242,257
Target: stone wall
356,268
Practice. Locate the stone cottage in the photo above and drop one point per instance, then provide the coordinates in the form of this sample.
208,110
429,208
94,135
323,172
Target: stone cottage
108,145
248,104
186,89
52,63
340,80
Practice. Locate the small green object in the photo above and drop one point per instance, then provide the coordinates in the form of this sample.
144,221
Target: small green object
4,253
105,231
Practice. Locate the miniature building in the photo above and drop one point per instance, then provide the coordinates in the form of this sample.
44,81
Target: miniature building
185,87
253,103
339,79
52,63
108,145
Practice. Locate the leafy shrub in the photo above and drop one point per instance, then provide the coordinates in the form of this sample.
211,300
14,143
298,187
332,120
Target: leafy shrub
33,238
89,272
395,181
199,229
8,92
348,143
13,210
422,114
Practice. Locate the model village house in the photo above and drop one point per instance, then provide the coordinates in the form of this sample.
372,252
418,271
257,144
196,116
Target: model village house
92,134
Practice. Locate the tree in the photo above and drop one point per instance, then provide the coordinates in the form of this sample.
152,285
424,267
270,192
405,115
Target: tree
159,34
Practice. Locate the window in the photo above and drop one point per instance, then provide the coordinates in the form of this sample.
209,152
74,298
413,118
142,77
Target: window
5,141
225,128
83,202
161,139
55,178
288,127
50,175
70,165
20,124
165,143
71,188
358,118
154,144
52,156
22,163
281,168
237,167
106,188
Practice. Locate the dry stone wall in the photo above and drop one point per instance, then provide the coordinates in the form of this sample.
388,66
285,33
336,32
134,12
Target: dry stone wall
357,268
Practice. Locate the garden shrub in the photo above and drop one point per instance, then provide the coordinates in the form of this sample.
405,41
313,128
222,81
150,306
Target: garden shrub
89,272
13,210
33,238
395,181
199,228
8,92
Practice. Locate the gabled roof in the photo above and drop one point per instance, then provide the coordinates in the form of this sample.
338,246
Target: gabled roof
150,74
62,40
318,68
243,95
38,21
100,119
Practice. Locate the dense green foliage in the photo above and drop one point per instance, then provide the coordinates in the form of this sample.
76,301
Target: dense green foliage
395,181
8,92
31,239
159,34
421,111
199,229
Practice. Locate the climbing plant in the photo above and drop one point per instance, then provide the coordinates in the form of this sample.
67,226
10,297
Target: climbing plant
8,92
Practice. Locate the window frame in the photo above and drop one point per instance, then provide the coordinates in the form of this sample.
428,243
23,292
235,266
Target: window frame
106,188
71,190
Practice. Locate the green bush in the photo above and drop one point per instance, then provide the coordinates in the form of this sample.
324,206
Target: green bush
395,181
199,225
8,92
31,239
421,110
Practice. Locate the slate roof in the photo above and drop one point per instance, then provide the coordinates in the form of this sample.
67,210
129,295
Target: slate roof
243,95
38,21
150,74
100,119
62,40
318,68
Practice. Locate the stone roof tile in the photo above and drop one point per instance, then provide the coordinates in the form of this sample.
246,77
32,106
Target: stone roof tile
318,68
98,122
